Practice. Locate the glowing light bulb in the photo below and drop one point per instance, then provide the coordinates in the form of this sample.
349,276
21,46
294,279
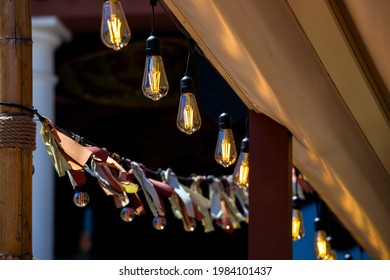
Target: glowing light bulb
114,32
241,171
159,223
225,151
155,83
80,198
321,244
188,117
127,214
298,229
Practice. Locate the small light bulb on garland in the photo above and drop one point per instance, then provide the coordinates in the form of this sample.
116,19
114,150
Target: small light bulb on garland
159,222
127,214
80,197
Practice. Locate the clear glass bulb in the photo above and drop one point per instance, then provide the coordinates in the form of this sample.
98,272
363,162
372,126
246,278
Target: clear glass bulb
154,83
80,199
127,214
241,171
188,117
321,245
114,32
159,222
225,151
298,230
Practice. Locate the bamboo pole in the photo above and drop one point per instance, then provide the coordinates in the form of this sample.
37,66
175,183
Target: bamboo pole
15,163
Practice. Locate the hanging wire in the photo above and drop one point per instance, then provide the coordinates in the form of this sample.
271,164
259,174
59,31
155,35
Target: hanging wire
153,4
296,181
191,46
247,124
23,107
174,20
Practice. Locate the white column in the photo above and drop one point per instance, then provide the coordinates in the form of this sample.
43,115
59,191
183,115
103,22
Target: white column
47,34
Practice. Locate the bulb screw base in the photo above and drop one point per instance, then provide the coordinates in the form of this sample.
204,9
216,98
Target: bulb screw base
152,46
186,84
225,121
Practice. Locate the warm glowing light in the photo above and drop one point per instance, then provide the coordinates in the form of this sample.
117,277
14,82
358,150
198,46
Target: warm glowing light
226,145
296,224
298,229
188,117
225,151
241,171
115,32
321,244
114,25
154,83
244,172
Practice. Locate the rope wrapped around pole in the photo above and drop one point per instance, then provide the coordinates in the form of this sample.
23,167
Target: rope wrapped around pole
17,131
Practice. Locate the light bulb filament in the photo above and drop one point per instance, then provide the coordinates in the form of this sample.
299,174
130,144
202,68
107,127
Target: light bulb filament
322,248
244,171
114,25
188,117
296,224
225,149
154,80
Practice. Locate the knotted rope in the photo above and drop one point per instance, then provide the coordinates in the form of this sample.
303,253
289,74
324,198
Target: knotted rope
17,131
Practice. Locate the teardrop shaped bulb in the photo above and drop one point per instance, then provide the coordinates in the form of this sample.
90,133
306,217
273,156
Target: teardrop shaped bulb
127,214
159,222
114,32
80,199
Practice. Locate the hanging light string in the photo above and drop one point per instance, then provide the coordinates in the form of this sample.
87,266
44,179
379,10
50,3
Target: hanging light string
76,157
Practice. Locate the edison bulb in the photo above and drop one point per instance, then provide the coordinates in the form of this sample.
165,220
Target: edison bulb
188,117
241,171
80,199
321,244
114,32
155,83
127,214
225,151
298,229
159,222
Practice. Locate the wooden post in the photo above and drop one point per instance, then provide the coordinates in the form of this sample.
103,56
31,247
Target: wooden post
15,162
270,189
